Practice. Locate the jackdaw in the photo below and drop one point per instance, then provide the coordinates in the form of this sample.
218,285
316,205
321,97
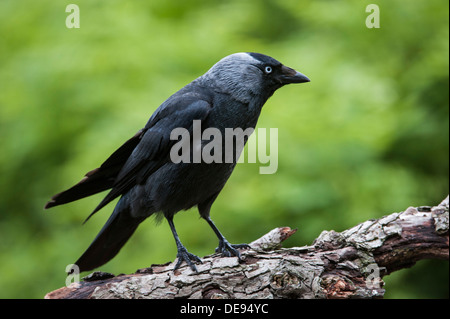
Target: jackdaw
230,95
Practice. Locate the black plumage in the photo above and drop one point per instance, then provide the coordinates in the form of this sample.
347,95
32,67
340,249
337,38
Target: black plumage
230,95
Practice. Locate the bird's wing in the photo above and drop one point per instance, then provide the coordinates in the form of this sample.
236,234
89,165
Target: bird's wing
154,146
140,156
101,178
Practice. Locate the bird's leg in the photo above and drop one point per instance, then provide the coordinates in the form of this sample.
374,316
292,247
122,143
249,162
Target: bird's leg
182,253
225,248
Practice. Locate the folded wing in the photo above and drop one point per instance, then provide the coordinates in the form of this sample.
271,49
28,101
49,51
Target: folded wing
139,157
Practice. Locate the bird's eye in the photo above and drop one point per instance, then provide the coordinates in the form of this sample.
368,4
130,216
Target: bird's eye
268,69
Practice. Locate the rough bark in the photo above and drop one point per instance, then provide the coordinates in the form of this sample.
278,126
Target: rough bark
349,264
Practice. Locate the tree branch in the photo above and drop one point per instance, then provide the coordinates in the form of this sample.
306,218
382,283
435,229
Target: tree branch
349,264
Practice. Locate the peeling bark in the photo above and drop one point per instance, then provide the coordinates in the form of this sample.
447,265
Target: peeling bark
349,264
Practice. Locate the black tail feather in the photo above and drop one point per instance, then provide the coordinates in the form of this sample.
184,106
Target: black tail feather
99,179
113,236
94,182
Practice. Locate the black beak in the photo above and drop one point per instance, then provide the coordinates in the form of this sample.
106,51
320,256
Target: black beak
289,75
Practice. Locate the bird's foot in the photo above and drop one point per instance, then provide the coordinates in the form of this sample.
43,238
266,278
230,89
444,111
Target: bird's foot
184,255
229,250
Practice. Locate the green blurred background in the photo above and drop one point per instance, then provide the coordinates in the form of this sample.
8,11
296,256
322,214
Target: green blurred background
367,137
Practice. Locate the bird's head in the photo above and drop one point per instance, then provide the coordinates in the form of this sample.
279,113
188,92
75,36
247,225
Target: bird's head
246,75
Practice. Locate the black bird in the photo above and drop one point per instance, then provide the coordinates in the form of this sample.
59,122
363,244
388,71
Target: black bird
230,95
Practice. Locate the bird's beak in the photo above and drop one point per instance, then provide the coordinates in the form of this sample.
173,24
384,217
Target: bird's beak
289,75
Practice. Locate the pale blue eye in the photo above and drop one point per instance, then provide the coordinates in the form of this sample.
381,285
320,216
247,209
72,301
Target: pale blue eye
268,69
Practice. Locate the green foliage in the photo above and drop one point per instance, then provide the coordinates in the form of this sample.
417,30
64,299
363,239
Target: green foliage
368,135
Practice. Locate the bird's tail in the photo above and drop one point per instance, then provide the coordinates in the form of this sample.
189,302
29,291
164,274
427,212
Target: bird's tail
111,238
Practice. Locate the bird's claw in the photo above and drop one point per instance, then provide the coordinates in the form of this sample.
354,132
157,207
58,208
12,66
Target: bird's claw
184,255
229,250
